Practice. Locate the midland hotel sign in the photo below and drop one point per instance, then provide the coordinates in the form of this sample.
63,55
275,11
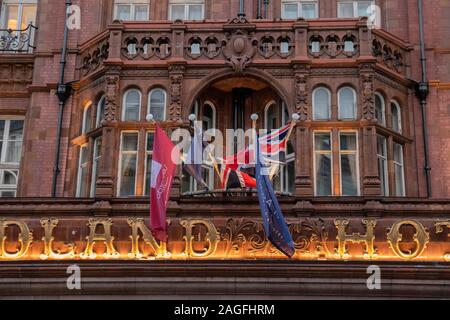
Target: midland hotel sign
128,238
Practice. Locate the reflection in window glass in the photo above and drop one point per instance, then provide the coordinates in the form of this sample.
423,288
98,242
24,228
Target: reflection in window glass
132,107
321,104
323,164
158,104
399,170
383,165
347,104
349,166
128,164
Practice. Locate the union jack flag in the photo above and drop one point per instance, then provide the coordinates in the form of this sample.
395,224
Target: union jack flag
271,146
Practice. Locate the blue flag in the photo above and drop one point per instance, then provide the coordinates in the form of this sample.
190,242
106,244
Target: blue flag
275,226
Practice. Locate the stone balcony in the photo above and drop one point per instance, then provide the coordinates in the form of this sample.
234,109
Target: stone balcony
240,42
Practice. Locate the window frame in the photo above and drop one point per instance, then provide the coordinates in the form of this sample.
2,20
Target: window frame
355,4
125,107
320,152
351,152
399,122
20,4
187,4
149,106
355,104
96,158
299,4
80,171
330,112
383,109
384,158
12,167
98,119
87,122
148,154
121,153
132,4
402,166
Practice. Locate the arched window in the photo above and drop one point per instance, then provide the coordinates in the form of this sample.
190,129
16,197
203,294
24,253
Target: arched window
131,105
87,118
322,104
380,110
283,174
209,116
272,116
347,104
396,117
157,104
100,111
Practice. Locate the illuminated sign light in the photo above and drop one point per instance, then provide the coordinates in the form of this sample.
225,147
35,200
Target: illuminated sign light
221,239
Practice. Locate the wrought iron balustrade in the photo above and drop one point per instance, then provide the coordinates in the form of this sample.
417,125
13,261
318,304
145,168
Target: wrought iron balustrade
17,41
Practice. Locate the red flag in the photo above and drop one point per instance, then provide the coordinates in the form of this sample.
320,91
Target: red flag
163,171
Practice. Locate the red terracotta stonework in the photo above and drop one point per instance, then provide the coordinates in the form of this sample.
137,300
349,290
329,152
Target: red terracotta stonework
274,58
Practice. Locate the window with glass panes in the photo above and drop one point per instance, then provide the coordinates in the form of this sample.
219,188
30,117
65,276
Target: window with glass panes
11,139
126,10
294,9
128,164
399,171
283,175
348,142
83,172
148,161
186,9
131,105
157,104
352,9
206,114
382,155
336,163
18,14
323,166
97,155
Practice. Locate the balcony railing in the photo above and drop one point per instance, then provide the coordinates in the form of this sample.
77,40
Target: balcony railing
214,42
17,41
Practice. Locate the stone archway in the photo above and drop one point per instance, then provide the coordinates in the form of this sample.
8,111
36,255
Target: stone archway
250,73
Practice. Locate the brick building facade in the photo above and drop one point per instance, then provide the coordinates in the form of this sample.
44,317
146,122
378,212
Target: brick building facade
358,153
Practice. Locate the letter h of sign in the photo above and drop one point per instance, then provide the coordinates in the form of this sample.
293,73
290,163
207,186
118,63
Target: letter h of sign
367,239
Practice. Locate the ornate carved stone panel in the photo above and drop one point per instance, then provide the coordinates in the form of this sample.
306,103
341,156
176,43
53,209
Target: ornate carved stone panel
176,75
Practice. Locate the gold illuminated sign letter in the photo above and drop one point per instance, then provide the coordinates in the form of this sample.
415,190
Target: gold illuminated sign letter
212,237
25,239
49,225
368,239
94,236
421,238
137,225
440,226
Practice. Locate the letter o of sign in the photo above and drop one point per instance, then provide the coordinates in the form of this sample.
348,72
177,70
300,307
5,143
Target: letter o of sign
421,238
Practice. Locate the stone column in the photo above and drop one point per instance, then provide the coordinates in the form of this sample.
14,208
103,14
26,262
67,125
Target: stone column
303,180
106,170
371,177
176,75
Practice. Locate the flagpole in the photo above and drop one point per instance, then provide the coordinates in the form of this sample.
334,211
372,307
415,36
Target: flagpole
295,119
254,118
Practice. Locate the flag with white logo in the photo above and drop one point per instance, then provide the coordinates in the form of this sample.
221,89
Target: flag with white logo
165,157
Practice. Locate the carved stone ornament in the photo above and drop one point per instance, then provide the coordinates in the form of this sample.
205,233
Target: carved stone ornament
112,98
301,95
239,50
368,96
176,75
